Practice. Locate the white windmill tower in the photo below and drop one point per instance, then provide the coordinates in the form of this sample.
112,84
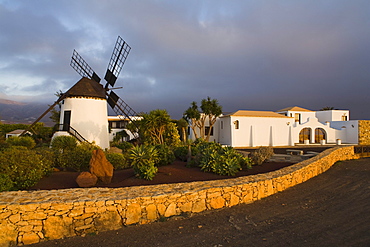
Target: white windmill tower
84,113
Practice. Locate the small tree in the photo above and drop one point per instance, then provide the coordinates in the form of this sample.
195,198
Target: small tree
327,108
192,115
182,124
211,110
157,128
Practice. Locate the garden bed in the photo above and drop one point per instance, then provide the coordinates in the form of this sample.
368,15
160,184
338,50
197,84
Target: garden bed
177,172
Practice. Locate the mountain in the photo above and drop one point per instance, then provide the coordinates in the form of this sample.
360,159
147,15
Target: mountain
19,112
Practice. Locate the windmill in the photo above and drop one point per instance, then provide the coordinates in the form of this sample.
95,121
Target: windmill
84,106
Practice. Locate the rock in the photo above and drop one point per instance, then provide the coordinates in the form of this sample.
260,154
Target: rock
56,227
86,180
133,214
101,167
108,220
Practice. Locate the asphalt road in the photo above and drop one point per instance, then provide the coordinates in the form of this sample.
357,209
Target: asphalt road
332,209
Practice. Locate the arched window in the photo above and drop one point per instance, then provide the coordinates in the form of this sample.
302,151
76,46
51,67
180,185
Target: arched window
320,134
305,134
236,123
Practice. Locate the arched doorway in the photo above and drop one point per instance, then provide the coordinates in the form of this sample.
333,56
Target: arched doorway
305,134
320,134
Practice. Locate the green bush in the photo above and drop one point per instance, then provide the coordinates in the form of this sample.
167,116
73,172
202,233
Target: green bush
143,159
181,152
24,141
24,167
3,145
64,143
212,157
6,183
165,155
76,159
125,146
118,161
262,154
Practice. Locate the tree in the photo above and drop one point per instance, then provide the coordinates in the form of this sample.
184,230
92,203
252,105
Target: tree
55,113
182,124
211,110
156,127
327,108
192,115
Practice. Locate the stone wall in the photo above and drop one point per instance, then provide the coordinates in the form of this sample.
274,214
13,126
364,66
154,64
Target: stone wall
364,132
28,217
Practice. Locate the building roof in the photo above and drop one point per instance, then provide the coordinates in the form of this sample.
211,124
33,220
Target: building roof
246,113
87,88
17,132
294,108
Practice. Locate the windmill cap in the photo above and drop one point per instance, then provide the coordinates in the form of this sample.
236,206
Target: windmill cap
87,88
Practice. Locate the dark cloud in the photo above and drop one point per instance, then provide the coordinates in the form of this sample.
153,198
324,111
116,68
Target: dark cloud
262,55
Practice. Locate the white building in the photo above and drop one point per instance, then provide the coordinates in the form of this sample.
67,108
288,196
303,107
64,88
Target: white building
16,133
286,127
84,113
118,124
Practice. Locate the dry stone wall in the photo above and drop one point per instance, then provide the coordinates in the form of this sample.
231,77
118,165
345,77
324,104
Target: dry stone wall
364,132
28,217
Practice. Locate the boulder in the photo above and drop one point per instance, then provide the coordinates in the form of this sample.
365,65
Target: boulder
86,180
101,167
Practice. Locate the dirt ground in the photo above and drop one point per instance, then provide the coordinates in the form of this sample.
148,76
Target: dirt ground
174,173
332,209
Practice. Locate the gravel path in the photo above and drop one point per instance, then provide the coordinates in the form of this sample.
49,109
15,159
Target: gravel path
332,209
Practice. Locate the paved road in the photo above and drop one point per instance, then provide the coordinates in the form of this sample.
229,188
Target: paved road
332,209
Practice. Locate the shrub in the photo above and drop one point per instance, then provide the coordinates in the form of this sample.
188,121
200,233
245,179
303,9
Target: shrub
212,157
76,159
125,146
117,160
165,155
6,183
262,154
64,143
181,152
24,167
143,160
24,141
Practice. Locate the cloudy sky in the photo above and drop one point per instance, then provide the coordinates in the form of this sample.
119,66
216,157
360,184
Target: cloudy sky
247,54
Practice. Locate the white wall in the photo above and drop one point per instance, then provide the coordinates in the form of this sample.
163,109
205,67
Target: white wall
89,117
258,131
332,115
349,130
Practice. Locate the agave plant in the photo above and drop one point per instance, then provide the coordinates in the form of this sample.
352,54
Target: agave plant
143,159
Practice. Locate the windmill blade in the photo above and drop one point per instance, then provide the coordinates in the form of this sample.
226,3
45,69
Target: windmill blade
121,108
30,128
81,67
119,55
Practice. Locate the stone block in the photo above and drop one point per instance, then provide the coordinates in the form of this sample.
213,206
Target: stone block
186,207
8,233
199,206
109,220
161,209
151,212
217,202
56,227
133,214
171,210
30,238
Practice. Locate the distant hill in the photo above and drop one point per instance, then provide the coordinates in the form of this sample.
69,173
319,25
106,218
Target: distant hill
19,112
